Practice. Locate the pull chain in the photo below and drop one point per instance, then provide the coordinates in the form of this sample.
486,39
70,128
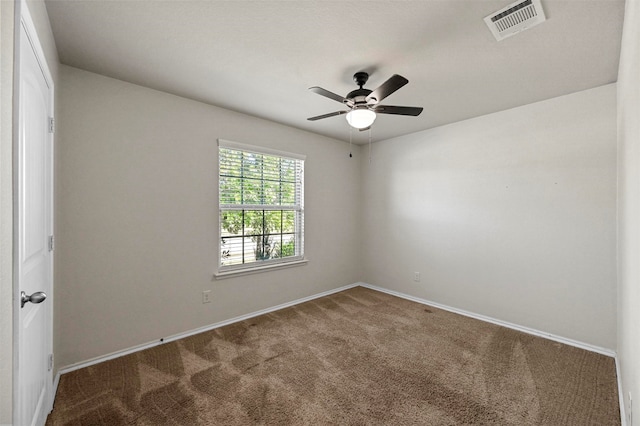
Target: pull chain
369,145
350,137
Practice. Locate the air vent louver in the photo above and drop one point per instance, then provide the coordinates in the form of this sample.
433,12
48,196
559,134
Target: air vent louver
515,18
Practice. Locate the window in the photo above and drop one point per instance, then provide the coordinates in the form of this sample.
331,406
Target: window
261,207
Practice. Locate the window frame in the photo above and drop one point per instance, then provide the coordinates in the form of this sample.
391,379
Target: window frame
262,265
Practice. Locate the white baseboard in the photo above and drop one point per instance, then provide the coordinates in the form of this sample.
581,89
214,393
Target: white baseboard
54,389
560,339
117,354
137,348
623,416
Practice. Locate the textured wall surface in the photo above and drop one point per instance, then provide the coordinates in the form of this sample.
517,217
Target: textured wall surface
138,216
510,215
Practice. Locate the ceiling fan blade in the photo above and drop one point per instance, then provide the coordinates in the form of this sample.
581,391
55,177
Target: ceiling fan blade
331,114
388,87
328,94
398,110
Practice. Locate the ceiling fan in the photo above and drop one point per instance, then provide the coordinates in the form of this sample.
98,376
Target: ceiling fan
364,103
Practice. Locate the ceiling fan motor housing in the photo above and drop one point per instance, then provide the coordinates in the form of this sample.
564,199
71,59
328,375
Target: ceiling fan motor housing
358,95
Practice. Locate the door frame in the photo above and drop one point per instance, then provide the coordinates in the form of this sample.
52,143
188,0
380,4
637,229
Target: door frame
24,20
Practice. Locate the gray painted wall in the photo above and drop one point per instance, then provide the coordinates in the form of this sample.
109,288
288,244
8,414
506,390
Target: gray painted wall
510,215
137,216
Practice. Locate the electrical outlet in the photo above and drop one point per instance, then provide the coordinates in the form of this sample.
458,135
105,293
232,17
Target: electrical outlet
416,277
206,296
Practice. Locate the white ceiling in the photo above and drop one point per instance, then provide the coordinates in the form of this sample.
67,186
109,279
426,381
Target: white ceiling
260,57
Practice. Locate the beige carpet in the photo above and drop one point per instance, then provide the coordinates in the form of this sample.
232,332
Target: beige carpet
358,357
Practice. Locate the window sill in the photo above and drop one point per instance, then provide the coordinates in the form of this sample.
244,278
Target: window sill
258,269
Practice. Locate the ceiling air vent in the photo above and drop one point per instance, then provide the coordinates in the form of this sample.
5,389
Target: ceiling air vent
514,18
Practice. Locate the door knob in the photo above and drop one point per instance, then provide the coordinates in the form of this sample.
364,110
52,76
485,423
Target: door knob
37,297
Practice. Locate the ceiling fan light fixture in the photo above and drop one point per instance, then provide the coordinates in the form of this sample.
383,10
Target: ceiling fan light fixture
361,118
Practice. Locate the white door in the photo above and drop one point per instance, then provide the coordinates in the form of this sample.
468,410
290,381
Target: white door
34,226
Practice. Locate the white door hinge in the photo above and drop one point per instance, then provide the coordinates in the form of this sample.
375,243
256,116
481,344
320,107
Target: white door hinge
50,366
51,243
52,125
